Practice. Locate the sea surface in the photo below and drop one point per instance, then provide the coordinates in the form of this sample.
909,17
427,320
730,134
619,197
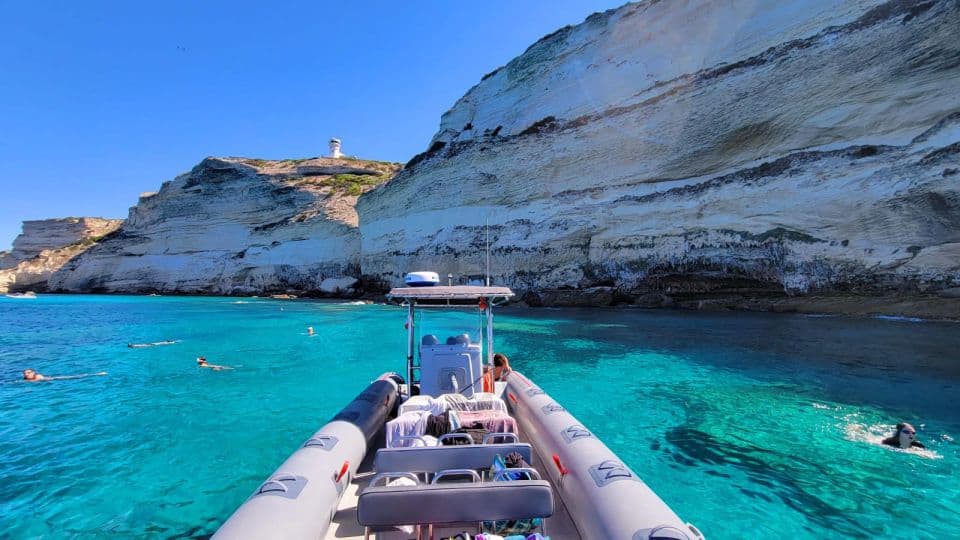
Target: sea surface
748,425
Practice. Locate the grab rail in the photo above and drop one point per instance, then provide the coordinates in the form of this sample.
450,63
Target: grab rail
532,474
474,477
272,485
410,437
388,475
512,438
454,436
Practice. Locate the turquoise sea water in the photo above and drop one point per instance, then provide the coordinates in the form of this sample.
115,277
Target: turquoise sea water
748,425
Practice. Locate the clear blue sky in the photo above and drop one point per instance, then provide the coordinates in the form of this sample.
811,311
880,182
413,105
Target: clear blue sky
100,101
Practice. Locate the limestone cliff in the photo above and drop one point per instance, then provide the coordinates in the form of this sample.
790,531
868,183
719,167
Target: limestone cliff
236,226
680,150
45,246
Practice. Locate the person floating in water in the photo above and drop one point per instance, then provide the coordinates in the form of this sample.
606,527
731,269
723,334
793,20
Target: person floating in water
309,330
154,344
31,375
904,437
202,362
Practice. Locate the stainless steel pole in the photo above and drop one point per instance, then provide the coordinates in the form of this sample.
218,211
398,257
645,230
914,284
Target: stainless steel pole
410,347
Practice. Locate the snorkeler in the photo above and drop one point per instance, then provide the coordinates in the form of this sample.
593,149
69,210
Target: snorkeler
31,375
904,437
202,362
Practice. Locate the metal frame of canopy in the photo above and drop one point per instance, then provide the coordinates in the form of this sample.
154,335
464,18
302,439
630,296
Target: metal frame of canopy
486,298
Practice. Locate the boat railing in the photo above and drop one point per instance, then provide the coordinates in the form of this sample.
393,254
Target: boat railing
509,474
489,438
474,476
452,437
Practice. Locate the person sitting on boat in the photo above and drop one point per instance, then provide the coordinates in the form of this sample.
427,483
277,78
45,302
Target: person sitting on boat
904,437
501,367
31,375
202,362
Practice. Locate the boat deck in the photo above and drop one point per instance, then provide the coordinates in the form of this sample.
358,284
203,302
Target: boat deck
344,525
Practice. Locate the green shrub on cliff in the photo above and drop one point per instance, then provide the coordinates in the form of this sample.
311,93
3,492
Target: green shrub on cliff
353,184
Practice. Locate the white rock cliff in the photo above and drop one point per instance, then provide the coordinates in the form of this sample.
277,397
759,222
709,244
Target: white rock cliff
692,149
236,226
693,153
45,246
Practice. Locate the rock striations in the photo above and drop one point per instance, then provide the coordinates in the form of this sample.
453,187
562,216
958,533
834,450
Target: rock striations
695,152
236,226
691,153
45,246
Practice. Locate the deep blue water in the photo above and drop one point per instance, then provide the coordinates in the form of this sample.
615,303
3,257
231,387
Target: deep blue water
748,425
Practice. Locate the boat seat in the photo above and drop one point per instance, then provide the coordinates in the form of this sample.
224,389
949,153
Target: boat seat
384,506
432,459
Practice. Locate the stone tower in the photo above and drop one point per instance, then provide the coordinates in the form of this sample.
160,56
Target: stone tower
335,147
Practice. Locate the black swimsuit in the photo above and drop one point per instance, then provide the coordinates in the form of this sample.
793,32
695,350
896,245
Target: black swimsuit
895,442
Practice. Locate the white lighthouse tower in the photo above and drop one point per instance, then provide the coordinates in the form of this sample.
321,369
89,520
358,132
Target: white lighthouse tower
335,147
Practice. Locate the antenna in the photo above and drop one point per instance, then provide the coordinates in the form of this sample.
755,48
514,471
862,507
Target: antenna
486,227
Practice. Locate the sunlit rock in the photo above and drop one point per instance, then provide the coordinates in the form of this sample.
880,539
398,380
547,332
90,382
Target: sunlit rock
45,246
235,226
692,149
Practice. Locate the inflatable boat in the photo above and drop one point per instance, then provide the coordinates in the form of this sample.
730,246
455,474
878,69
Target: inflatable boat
443,450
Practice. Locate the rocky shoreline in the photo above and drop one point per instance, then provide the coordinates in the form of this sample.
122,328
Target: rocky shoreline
926,307
918,307
805,159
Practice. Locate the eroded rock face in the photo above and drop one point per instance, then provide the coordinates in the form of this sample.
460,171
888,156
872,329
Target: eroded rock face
235,226
697,148
45,246
50,234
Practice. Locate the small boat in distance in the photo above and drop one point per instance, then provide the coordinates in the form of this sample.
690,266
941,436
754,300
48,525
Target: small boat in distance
26,295
444,449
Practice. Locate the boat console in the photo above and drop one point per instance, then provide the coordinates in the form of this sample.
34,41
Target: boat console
453,367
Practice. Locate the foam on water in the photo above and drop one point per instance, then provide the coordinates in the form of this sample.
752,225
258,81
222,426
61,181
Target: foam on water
898,318
748,425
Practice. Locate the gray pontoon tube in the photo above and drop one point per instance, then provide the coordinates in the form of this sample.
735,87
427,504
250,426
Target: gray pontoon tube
300,498
606,499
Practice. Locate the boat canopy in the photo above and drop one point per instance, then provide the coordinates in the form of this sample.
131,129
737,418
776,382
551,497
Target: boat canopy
452,296
449,292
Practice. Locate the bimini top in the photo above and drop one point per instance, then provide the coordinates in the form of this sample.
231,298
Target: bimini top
449,292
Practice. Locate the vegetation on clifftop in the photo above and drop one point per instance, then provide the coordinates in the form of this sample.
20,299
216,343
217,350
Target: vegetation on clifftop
354,184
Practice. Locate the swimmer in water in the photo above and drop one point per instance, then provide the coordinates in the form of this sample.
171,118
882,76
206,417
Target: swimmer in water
202,362
31,375
904,437
309,330
154,344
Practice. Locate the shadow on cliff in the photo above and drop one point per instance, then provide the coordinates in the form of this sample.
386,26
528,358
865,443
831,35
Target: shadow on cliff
100,246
